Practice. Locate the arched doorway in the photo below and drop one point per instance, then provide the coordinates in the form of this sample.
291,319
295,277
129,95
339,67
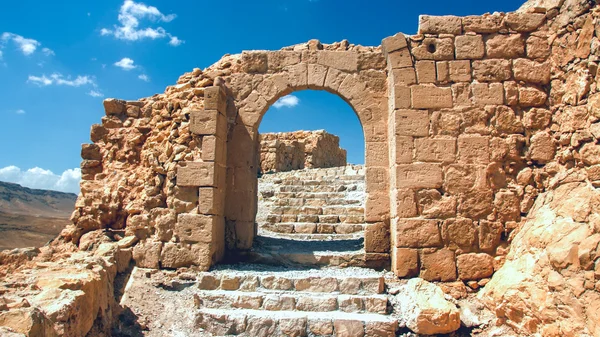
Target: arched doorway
252,94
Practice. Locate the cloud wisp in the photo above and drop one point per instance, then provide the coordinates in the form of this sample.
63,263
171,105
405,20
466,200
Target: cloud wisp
129,29
95,93
59,79
288,101
20,112
25,45
144,78
39,178
126,64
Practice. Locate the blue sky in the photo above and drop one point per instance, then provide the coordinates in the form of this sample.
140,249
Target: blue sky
60,59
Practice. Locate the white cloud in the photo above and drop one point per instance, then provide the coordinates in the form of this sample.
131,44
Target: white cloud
39,178
129,28
288,101
59,79
27,46
0,54
175,41
126,64
20,111
95,93
48,52
144,78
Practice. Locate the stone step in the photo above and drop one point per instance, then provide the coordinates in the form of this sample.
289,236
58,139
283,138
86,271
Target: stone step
313,228
311,237
311,210
316,188
341,180
310,195
315,202
259,323
291,301
294,253
350,281
347,219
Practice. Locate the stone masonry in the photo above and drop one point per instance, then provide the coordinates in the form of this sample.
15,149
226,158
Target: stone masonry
464,124
287,151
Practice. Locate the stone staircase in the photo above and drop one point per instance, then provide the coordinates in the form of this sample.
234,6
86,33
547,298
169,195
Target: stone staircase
312,204
326,302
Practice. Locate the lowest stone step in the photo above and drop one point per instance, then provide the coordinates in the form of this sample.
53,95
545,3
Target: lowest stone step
257,323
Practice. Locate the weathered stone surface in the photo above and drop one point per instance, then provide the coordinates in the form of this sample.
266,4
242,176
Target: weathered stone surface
543,266
430,97
475,266
419,175
469,47
426,310
440,25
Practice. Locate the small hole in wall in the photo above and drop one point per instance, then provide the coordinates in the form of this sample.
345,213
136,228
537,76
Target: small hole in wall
431,48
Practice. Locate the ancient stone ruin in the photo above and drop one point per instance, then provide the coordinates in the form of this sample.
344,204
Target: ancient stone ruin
287,151
482,169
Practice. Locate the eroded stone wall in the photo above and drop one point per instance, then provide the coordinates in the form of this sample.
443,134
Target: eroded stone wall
287,151
464,125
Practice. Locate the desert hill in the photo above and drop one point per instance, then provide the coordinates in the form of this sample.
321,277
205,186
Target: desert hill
31,217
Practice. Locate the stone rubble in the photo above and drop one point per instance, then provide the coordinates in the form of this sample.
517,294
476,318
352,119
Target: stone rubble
287,151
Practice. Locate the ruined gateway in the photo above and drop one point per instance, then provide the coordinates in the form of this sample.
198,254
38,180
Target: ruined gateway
482,167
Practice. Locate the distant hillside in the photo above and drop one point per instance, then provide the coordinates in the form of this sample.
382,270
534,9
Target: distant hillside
30,217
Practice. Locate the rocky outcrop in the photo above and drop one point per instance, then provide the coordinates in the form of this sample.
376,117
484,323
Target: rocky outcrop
287,151
550,283
425,309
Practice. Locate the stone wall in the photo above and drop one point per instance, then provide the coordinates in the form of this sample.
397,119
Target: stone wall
464,125
288,151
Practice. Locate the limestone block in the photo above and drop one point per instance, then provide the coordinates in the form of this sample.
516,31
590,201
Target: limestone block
537,47
334,79
280,59
214,148
197,174
399,59
377,238
511,93
296,77
114,106
469,47
531,71
401,96
459,71
524,22
147,254
439,265
342,60
412,122
404,149
426,72
419,175
442,71
405,204
175,256
530,96
507,205
377,206
320,327
211,201
462,178
417,233
208,122
435,149
316,76
255,62
477,204
475,266
376,179
505,46
426,310
376,154
437,49
194,228
440,25
215,99
490,234
431,97
492,70
460,233
542,148
348,328
404,76
473,149
487,23
393,43
91,152
405,262
590,154
488,94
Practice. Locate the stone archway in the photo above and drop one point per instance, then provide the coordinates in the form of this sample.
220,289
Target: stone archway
279,73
